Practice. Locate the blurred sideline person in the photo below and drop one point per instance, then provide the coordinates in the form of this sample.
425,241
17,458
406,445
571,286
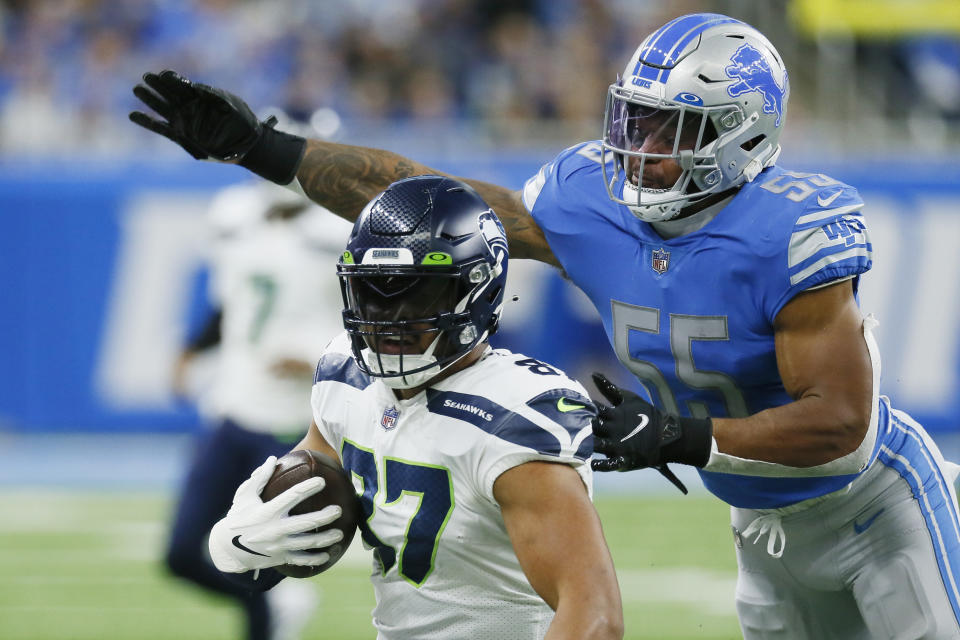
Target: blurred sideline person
502,540
272,285
728,286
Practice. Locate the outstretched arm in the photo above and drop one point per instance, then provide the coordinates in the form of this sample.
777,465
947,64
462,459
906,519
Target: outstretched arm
557,537
210,123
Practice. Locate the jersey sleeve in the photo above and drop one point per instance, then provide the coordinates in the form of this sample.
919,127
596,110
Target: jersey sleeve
335,369
337,364
553,426
567,200
828,242
562,188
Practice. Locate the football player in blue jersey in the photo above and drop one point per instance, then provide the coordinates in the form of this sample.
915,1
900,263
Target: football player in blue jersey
728,285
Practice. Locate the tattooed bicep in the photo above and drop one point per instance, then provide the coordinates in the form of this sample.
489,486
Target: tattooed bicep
524,236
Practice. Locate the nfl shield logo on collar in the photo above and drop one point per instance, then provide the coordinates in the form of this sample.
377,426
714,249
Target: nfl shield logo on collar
660,260
389,418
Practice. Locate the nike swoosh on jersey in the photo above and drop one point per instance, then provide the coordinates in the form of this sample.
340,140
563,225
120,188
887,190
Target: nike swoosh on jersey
644,421
240,545
826,202
861,527
564,407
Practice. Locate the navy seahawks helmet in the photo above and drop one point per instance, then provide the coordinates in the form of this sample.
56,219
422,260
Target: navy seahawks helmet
427,257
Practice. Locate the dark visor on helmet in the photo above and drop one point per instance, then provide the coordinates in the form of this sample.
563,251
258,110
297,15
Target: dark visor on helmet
390,314
400,297
633,125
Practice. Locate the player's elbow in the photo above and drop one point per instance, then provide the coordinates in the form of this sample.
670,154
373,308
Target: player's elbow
600,619
853,419
610,627
844,444
606,625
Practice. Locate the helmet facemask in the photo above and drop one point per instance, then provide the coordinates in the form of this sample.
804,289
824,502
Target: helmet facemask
728,88
406,326
651,140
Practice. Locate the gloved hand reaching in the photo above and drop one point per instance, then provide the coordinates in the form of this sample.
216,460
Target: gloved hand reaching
211,123
633,434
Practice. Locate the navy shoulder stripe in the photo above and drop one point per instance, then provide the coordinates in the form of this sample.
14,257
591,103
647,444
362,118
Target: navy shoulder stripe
571,410
477,410
497,421
340,367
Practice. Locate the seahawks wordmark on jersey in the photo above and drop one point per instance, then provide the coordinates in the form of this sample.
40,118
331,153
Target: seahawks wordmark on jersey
444,566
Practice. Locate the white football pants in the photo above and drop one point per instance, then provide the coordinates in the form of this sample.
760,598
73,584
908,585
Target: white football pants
878,561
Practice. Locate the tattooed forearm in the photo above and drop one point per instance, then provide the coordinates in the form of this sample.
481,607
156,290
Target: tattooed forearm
344,178
525,238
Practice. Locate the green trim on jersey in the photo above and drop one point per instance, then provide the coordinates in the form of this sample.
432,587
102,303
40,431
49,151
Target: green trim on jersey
371,538
420,496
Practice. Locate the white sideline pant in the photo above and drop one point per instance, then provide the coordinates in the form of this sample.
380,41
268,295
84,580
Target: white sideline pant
879,561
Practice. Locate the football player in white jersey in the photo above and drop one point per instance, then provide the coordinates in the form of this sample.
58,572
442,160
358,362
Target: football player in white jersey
472,464
270,254
729,286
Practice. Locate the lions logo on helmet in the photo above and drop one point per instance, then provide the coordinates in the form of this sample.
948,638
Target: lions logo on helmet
713,127
754,74
427,257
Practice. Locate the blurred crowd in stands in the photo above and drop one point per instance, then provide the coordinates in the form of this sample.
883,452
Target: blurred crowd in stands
67,66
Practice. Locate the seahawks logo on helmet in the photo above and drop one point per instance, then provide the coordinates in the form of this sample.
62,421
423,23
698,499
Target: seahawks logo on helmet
493,234
422,279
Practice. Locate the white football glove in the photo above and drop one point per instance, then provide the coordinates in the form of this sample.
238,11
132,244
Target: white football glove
256,534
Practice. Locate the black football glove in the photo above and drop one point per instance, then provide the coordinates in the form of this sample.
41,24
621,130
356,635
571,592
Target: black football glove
633,434
213,123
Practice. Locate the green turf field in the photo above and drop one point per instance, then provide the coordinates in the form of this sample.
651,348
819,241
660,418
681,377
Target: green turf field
84,566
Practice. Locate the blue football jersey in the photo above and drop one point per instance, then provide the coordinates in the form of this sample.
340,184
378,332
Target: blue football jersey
693,316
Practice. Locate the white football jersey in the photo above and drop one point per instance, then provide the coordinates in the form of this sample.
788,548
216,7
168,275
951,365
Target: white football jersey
444,566
276,282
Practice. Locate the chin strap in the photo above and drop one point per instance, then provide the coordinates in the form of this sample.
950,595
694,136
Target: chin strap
752,170
649,211
394,363
755,166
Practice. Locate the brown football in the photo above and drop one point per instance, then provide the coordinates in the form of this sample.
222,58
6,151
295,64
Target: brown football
297,466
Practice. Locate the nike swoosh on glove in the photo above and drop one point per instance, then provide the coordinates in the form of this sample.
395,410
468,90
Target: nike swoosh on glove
256,534
633,434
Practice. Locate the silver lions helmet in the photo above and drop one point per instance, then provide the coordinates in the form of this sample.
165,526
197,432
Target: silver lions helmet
705,91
